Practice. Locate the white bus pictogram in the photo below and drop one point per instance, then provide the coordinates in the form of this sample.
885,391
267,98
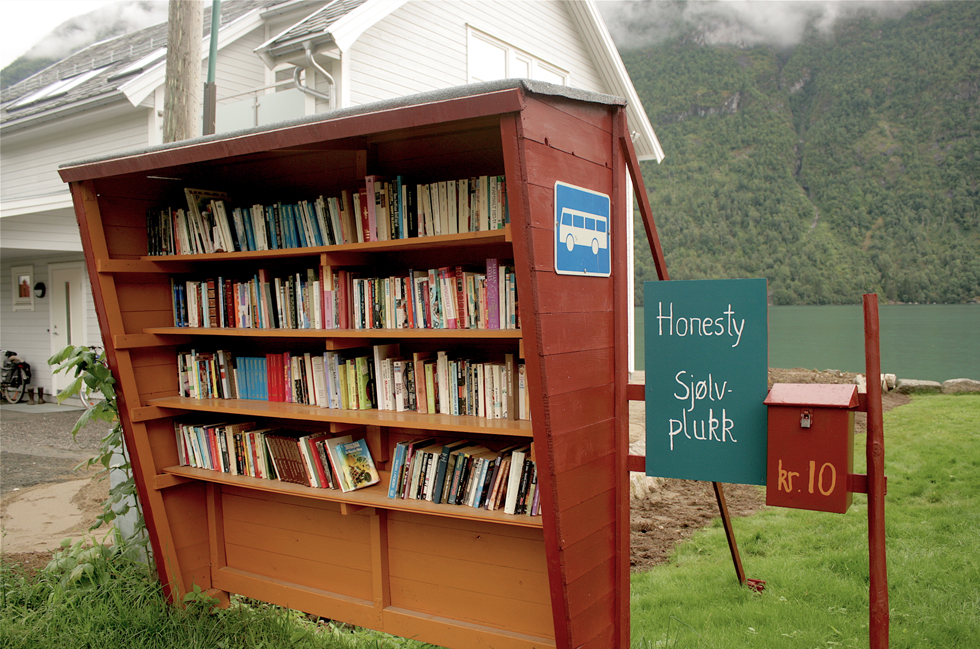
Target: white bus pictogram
578,228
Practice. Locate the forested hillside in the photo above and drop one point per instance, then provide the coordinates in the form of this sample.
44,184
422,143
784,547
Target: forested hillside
846,165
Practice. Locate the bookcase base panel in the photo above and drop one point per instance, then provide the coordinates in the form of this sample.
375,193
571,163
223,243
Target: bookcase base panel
442,580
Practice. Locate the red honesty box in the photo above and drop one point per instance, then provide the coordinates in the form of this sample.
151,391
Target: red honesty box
811,446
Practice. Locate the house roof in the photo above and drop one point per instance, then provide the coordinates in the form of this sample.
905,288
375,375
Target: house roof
80,169
100,70
314,27
341,22
131,66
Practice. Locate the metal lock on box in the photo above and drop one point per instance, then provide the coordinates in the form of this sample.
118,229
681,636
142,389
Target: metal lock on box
810,446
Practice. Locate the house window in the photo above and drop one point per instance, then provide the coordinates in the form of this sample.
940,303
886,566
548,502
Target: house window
489,58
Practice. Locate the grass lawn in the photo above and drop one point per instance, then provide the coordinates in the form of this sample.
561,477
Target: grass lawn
816,564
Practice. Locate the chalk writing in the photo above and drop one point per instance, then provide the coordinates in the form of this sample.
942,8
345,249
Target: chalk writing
699,326
706,363
700,390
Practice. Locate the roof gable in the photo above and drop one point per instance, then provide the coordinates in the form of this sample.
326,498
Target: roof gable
315,27
342,22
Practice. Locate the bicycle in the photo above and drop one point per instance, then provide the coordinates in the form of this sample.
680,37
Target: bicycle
16,377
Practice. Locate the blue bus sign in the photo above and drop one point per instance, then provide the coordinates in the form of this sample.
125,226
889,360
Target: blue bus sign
581,231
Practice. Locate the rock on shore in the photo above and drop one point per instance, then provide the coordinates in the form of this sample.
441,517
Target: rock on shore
961,386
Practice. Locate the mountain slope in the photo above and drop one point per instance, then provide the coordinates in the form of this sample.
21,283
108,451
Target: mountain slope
847,165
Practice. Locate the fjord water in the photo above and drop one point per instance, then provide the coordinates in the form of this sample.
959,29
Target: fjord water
918,341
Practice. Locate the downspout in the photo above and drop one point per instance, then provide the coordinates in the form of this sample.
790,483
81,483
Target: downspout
311,91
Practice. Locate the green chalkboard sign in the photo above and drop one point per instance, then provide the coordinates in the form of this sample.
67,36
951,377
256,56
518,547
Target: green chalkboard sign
707,361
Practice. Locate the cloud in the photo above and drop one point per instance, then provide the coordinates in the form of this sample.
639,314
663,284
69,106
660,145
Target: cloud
781,23
105,22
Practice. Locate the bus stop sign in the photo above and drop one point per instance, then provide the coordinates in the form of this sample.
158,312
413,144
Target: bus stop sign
581,231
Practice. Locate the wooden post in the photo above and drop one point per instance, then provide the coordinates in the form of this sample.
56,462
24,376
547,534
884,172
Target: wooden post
182,91
877,567
210,89
646,213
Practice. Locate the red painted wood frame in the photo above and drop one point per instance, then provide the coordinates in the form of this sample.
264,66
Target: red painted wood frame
574,340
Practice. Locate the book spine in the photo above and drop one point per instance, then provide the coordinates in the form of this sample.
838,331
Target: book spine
493,294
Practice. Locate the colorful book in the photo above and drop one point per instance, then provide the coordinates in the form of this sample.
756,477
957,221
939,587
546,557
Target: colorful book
356,465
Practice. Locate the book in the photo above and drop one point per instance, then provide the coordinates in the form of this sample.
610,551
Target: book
407,470
287,459
397,465
364,383
330,447
442,467
319,471
356,465
385,391
199,202
514,478
493,294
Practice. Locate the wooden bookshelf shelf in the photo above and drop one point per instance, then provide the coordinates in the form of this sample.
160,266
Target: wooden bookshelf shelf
156,263
366,334
374,496
454,576
294,411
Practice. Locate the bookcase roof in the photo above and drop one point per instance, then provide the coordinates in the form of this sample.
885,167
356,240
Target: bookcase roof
84,169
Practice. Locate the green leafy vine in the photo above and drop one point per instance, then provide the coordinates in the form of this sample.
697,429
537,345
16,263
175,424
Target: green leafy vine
89,369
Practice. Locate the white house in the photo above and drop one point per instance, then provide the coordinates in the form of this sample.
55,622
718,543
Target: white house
276,60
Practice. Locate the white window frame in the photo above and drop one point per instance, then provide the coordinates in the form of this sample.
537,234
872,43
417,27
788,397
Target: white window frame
534,64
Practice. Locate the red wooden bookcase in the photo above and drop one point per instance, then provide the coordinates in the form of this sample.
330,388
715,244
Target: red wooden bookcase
449,575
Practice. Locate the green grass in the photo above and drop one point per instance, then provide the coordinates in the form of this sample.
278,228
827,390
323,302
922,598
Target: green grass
816,564
92,598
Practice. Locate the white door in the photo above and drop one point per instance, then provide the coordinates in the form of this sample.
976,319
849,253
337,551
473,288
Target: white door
67,315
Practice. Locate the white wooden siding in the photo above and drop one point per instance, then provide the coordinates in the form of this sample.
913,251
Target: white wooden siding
239,68
26,332
56,230
422,45
30,161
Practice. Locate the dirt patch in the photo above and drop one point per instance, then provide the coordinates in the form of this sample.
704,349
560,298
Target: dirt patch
39,454
676,510
27,563
664,512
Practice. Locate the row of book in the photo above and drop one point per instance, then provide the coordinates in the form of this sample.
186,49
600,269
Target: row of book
464,473
314,460
363,379
381,210
327,298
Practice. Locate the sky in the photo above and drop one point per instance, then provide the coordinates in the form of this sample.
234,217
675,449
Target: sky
25,22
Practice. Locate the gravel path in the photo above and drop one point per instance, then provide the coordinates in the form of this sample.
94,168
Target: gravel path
36,445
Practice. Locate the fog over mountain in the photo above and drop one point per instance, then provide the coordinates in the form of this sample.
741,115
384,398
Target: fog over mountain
781,23
106,22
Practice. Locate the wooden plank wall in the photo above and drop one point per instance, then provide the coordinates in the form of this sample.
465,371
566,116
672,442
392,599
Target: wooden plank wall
481,573
181,555
570,352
